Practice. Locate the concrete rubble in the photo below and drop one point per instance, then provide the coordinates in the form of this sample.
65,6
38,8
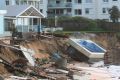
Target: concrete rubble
47,59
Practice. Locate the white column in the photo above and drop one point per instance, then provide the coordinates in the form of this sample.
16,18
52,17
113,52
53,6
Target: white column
14,25
40,25
32,24
28,23
22,23
17,23
55,21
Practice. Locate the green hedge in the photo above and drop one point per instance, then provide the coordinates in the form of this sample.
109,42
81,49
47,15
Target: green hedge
81,24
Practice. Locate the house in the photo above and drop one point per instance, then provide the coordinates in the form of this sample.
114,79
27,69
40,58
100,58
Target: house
23,18
2,13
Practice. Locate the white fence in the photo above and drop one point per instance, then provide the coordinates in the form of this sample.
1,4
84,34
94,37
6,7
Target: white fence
53,29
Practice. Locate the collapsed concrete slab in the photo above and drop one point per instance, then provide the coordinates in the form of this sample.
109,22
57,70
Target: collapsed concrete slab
28,54
86,48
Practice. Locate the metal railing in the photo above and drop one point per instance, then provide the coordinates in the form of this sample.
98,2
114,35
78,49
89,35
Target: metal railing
53,15
64,5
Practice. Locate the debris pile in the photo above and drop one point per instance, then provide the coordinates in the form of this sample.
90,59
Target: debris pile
47,58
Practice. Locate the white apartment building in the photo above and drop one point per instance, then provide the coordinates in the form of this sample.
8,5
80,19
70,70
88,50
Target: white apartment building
94,9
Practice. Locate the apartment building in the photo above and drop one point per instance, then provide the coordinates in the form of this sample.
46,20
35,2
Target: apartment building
41,5
95,9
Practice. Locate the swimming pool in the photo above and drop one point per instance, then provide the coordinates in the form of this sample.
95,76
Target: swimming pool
89,45
88,48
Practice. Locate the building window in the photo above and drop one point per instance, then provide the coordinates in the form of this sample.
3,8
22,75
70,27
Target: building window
30,2
88,1
7,2
78,1
59,11
68,1
115,0
57,2
105,10
87,10
78,11
41,1
17,2
105,0
69,10
41,10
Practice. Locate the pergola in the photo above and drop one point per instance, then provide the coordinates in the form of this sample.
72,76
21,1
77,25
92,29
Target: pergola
21,17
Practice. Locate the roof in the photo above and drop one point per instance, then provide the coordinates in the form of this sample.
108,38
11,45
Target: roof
17,10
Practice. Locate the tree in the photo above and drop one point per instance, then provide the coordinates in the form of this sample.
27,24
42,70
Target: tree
114,14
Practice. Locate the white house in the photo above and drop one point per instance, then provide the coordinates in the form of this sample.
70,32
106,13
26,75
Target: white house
24,18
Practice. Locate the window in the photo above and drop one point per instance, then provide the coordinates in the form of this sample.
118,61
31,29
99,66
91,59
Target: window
57,2
59,11
87,10
23,2
35,21
41,1
17,2
78,1
7,2
30,2
105,0
41,10
88,1
78,11
105,10
68,10
69,1
115,0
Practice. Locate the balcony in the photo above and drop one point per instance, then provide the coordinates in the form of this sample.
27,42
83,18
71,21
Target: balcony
64,5
53,15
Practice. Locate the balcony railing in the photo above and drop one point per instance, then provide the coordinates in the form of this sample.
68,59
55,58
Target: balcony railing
64,5
53,15
34,28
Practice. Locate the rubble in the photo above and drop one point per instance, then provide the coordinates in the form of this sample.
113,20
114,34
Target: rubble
51,61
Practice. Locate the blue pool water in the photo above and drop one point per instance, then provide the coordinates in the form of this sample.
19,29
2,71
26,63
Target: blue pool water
90,46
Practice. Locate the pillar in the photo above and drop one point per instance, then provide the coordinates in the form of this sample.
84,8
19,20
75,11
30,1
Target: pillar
32,24
40,26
